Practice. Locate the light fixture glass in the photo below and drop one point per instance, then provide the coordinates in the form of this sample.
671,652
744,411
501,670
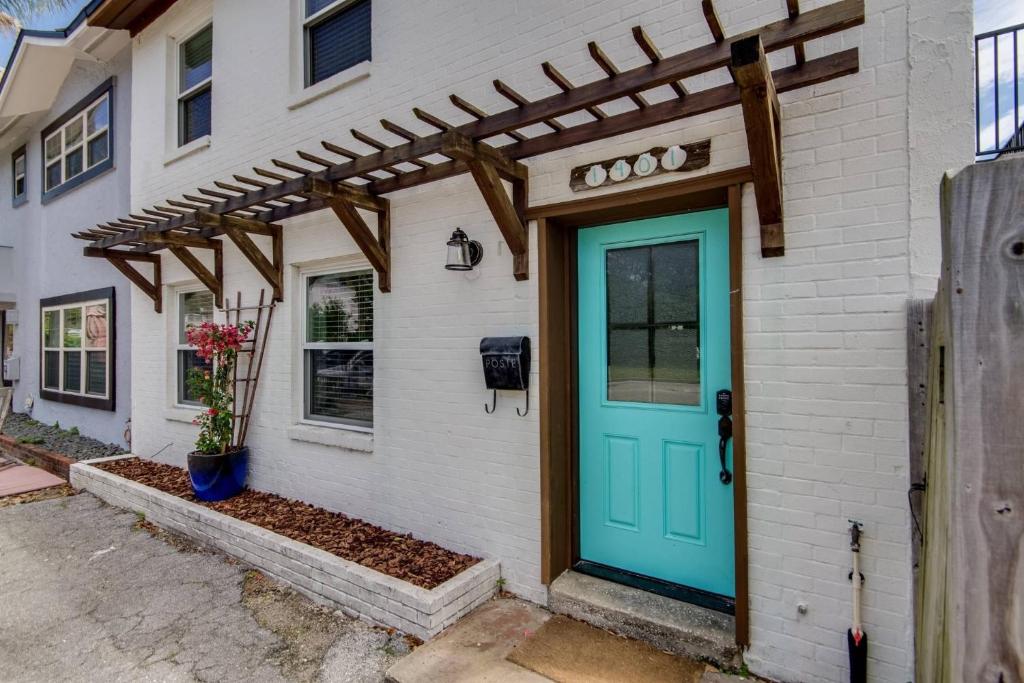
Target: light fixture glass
463,253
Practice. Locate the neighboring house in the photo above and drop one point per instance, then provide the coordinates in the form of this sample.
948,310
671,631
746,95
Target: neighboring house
373,399
65,107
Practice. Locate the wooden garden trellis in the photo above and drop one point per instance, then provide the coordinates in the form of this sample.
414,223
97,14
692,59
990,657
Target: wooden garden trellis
489,147
253,349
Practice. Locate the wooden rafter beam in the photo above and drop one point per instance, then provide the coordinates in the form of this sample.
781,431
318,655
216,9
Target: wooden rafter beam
356,195
460,147
760,105
556,77
508,212
220,221
782,34
793,8
653,54
122,260
167,239
605,62
713,99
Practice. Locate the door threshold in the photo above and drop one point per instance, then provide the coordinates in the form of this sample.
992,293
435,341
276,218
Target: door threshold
675,591
669,625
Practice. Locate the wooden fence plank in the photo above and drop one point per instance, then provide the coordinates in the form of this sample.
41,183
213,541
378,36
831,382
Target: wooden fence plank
983,246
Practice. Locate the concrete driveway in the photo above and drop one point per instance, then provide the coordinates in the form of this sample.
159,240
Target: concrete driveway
89,592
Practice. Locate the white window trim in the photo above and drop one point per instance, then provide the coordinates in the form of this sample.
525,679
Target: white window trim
304,277
23,176
83,349
181,96
177,346
301,93
83,144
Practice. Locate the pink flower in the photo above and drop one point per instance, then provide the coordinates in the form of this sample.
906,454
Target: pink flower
211,411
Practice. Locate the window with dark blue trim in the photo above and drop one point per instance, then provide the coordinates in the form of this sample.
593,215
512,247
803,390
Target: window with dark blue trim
79,145
337,36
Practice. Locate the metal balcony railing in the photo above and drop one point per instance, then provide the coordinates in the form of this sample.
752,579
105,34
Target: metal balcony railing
997,92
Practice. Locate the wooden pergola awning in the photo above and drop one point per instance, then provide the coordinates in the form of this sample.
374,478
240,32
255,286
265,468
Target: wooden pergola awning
488,147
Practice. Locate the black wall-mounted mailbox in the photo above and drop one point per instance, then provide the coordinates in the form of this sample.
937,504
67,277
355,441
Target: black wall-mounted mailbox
506,362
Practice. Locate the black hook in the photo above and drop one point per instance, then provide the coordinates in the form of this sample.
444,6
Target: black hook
524,414
494,403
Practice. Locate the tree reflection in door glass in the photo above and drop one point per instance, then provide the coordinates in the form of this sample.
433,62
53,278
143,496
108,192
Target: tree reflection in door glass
654,323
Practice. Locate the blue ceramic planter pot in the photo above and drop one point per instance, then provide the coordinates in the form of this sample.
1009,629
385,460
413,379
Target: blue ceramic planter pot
220,476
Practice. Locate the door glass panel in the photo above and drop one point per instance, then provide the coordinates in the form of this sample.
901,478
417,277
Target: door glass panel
629,277
654,324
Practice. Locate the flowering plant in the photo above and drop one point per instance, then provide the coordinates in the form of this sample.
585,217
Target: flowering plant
213,385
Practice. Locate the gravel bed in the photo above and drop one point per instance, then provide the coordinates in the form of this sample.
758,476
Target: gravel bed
58,440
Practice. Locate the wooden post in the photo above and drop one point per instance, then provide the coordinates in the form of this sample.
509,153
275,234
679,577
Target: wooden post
761,115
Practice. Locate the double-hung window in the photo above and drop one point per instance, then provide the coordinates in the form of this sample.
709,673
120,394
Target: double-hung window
336,35
194,308
338,348
76,340
19,188
195,86
79,145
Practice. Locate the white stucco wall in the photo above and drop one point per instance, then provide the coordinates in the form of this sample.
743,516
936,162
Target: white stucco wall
824,325
48,262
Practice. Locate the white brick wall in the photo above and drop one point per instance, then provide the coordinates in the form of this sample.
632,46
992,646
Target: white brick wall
826,381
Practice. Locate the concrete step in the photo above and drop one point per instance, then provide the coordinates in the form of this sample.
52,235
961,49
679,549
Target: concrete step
669,625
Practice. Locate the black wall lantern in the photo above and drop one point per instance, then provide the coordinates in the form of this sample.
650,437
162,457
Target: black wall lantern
463,253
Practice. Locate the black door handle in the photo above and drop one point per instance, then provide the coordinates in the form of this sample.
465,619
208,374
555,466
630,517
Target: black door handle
724,434
723,400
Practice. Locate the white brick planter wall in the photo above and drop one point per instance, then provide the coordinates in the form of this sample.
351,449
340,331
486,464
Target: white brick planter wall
356,589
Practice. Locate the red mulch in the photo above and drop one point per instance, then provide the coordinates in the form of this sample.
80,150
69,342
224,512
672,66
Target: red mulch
419,562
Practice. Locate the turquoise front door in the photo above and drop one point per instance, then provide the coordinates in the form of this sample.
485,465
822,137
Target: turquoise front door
653,354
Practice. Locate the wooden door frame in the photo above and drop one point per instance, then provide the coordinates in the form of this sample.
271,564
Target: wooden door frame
559,412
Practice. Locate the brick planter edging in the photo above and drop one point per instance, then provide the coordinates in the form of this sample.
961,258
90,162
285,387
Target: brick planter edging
327,578
54,463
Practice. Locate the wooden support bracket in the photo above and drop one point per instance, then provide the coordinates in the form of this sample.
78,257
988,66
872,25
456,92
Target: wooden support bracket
344,201
760,105
238,229
488,167
122,261
212,281
272,270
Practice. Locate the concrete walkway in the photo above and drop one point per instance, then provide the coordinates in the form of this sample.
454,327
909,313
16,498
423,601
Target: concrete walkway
89,595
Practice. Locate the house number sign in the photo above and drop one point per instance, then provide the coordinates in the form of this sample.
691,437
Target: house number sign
674,159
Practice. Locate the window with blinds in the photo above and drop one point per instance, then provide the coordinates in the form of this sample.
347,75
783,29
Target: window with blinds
338,348
194,308
195,86
337,36
75,341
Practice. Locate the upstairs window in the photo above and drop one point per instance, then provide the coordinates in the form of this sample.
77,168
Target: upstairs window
18,174
77,147
337,36
195,86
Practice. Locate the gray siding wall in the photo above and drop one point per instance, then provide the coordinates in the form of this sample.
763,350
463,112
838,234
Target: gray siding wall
48,262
